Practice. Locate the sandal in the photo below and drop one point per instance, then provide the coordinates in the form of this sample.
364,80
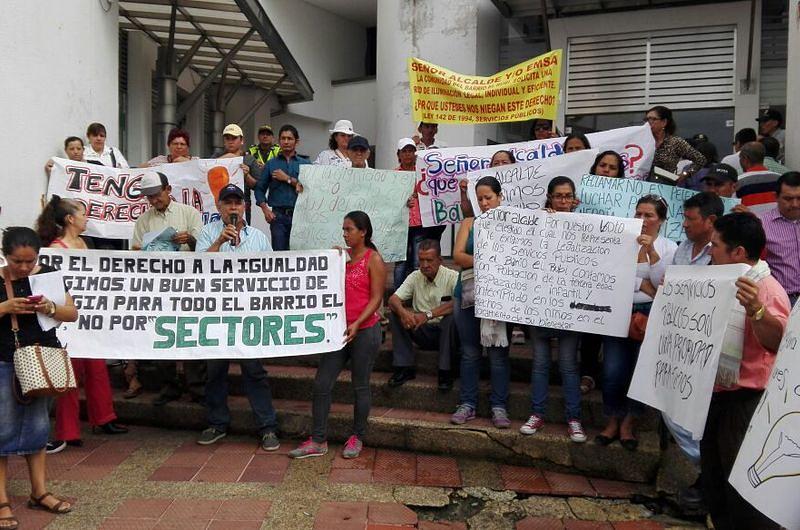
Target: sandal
587,384
134,389
14,522
35,503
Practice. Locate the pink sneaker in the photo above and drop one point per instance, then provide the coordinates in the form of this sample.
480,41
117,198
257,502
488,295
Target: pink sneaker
534,423
308,449
352,448
575,431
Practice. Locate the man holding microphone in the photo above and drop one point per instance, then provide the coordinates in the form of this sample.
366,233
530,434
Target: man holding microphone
232,234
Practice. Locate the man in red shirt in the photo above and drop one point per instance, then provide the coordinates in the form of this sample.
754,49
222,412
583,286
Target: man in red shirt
739,238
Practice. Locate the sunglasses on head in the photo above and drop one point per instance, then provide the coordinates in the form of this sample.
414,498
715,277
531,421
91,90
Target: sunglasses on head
657,198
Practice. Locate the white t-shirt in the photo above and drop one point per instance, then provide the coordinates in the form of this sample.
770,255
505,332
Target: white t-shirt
733,161
654,272
90,155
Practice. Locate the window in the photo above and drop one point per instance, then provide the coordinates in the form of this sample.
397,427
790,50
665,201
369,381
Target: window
629,72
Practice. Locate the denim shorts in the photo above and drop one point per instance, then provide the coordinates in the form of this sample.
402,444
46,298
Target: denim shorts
23,428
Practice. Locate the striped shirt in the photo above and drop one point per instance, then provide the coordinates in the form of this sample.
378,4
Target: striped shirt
250,239
756,188
683,255
783,249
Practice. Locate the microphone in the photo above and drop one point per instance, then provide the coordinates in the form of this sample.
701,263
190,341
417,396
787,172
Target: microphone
234,217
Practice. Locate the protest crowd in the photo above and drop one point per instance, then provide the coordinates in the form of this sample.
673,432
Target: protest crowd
424,302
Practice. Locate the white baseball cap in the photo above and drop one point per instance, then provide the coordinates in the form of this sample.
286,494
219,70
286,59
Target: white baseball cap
233,130
405,142
152,183
343,126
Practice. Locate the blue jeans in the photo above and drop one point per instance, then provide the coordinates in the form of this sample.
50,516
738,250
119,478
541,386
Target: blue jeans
402,269
689,446
279,229
619,360
567,365
469,332
256,386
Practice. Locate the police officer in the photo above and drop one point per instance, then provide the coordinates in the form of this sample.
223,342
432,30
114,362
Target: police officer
264,150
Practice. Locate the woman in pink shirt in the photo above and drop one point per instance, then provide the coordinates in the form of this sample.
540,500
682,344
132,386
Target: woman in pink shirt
365,281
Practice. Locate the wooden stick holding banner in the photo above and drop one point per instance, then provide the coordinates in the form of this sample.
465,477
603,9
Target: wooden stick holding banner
565,271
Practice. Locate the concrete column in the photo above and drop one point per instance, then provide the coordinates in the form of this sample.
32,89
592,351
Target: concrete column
142,54
444,32
793,89
218,121
167,96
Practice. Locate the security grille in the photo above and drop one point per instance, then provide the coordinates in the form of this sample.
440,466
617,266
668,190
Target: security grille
683,69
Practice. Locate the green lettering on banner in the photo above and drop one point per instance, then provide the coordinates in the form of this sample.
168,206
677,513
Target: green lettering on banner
203,339
251,331
272,325
231,322
290,329
317,332
184,332
169,336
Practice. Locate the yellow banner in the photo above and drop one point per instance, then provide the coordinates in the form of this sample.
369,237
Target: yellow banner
523,92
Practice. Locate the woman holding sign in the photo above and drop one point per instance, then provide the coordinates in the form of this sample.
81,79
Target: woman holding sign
469,327
24,424
620,353
60,226
560,198
365,280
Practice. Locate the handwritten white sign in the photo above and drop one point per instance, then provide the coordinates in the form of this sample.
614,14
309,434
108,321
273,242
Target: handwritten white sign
563,270
678,359
524,184
767,468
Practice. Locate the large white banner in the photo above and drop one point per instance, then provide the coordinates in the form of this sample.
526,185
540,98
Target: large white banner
113,198
564,270
767,468
439,170
678,359
525,184
330,193
184,305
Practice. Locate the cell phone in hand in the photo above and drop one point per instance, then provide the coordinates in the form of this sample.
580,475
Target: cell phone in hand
35,298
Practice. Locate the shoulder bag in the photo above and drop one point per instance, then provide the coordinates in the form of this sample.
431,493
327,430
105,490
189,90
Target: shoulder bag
41,370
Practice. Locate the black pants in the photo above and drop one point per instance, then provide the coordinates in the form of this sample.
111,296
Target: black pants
728,419
194,373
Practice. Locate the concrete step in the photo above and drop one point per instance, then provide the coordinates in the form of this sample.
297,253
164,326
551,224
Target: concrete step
426,360
295,383
431,432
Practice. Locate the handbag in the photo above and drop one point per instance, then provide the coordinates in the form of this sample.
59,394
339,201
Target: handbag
467,288
40,370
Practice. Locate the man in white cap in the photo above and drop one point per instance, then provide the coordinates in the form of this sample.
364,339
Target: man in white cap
166,213
233,142
336,154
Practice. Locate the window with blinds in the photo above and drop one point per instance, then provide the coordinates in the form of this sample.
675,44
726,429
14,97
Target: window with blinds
681,68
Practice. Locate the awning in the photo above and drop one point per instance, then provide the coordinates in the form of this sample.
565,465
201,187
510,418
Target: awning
207,30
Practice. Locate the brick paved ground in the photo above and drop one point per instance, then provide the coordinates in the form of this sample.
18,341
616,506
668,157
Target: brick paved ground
161,479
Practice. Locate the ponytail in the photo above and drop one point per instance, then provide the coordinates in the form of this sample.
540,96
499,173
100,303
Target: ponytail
362,222
52,221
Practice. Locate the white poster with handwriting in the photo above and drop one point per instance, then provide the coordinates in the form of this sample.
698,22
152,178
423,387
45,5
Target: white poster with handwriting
525,184
767,468
678,359
562,270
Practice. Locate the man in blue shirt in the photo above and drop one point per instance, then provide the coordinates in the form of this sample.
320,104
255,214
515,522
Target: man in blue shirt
226,236
277,189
